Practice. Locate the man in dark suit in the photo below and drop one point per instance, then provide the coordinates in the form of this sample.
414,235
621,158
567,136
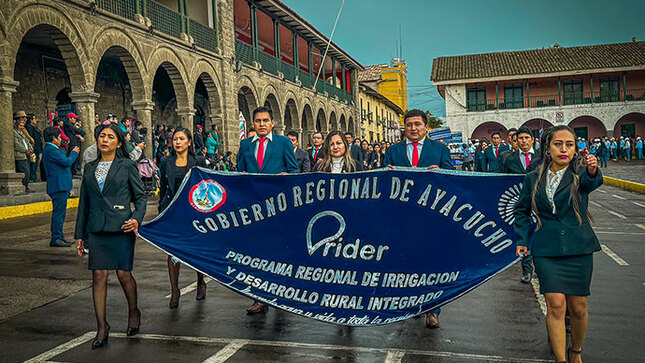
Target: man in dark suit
302,157
354,149
512,141
32,128
265,153
59,182
316,151
419,151
521,162
494,152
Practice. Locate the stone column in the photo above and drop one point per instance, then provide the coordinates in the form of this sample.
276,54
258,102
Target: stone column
85,102
279,129
186,116
10,181
144,115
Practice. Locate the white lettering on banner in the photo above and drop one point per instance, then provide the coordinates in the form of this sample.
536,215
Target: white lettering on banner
402,280
287,292
401,302
276,268
349,250
325,275
342,301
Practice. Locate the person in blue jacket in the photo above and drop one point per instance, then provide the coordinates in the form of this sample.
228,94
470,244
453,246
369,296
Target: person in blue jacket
557,194
59,181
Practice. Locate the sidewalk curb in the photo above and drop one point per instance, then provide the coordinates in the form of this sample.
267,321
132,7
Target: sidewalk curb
14,211
624,184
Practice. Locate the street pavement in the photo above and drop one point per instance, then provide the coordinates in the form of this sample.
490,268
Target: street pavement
633,170
46,309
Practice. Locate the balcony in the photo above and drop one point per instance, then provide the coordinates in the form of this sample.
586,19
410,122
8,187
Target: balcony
555,100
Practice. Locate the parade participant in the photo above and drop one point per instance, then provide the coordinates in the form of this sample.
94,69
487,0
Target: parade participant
375,158
557,193
365,150
110,184
419,151
336,158
36,135
613,146
512,141
59,182
480,156
172,170
315,152
603,154
265,153
302,157
493,154
355,150
639,148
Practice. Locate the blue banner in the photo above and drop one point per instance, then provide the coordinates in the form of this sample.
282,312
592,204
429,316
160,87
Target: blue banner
359,249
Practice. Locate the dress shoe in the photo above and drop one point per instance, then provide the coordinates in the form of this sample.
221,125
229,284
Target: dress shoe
526,278
60,243
201,291
97,343
174,300
132,331
432,321
256,308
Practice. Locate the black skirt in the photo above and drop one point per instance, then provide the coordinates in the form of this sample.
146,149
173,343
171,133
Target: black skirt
569,275
111,251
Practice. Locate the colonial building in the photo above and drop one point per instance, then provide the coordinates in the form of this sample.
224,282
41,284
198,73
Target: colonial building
390,80
379,116
598,90
171,62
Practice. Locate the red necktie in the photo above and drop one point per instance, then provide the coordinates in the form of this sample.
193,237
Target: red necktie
527,159
415,154
496,151
315,155
261,151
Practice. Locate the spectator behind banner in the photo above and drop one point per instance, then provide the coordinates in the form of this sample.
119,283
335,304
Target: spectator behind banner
337,158
23,151
315,152
376,158
199,138
302,158
59,181
493,154
354,150
37,137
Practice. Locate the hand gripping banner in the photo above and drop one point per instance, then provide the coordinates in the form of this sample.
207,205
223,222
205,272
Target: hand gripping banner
359,249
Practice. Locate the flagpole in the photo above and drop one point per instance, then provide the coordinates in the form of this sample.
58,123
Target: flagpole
322,63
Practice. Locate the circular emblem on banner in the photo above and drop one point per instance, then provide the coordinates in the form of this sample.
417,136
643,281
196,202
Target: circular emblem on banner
207,196
506,204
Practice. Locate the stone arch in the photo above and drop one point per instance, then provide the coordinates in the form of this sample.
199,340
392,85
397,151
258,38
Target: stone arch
271,102
307,119
291,116
633,118
62,30
321,121
537,124
333,122
486,129
117,42
167,59
588,127
246,102
342,124
350,125
204,71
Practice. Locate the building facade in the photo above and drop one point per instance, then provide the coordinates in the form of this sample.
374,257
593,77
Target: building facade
597,90
380,117
172,62
390,80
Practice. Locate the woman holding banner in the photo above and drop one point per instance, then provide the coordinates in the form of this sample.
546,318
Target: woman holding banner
563,242
337,158
173,169
110,184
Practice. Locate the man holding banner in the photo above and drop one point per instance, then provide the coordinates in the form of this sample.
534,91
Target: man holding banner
265,153
419,151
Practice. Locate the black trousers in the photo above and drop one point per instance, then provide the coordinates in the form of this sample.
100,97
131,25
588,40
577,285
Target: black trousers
22,166
34,169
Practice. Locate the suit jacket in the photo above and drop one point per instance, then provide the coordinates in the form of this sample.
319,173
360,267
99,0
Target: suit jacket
561,234
303,160
432,153
278,157
512,164
491,160
320,156
107,210
58,169
357,153
480,161
167,171
374,161
37,136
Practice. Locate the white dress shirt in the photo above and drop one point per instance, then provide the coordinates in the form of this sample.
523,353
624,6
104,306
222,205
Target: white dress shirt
409,148
268,138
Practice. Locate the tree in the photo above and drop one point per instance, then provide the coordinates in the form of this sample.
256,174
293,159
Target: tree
433,122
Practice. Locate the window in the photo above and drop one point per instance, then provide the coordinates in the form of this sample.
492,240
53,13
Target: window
303,55
348,81
339,75
513,96
316,55
286,44
329,70
609,89
266,35
369,112
476,98
243,21
572,92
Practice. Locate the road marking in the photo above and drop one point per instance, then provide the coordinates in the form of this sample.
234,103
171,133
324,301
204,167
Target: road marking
618,196
638,204
616,214
602,191
63,348
395,352
190,287
228,351
640,226
540,298
394,356
594,203
614,256
622,233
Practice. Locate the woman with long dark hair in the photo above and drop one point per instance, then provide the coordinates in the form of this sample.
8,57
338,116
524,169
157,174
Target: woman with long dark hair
173,169
110,183
375,158
337,157
563,242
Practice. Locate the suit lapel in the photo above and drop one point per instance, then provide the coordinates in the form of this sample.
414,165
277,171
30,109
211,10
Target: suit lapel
91,178
567,179
111,173
170,173
404,151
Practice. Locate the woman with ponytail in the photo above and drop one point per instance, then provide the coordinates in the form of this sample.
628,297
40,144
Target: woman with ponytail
552,213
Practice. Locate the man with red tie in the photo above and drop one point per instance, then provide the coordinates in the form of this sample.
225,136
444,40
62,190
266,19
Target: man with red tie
265,153
494,153
421,152
316,151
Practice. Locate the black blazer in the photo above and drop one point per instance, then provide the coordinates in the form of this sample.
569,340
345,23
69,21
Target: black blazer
373,160
511,163
358,166
303,160
357,153
491,160
561,234
167,187
320,156
107,210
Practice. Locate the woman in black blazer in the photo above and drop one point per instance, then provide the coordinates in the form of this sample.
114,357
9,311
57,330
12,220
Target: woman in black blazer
337,157
375,159
563,242
173,169
110,184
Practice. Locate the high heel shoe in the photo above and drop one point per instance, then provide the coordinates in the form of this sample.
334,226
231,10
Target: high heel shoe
134,331
97,343
201,291
174,301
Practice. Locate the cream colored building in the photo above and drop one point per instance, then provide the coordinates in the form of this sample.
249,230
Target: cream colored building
379,116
